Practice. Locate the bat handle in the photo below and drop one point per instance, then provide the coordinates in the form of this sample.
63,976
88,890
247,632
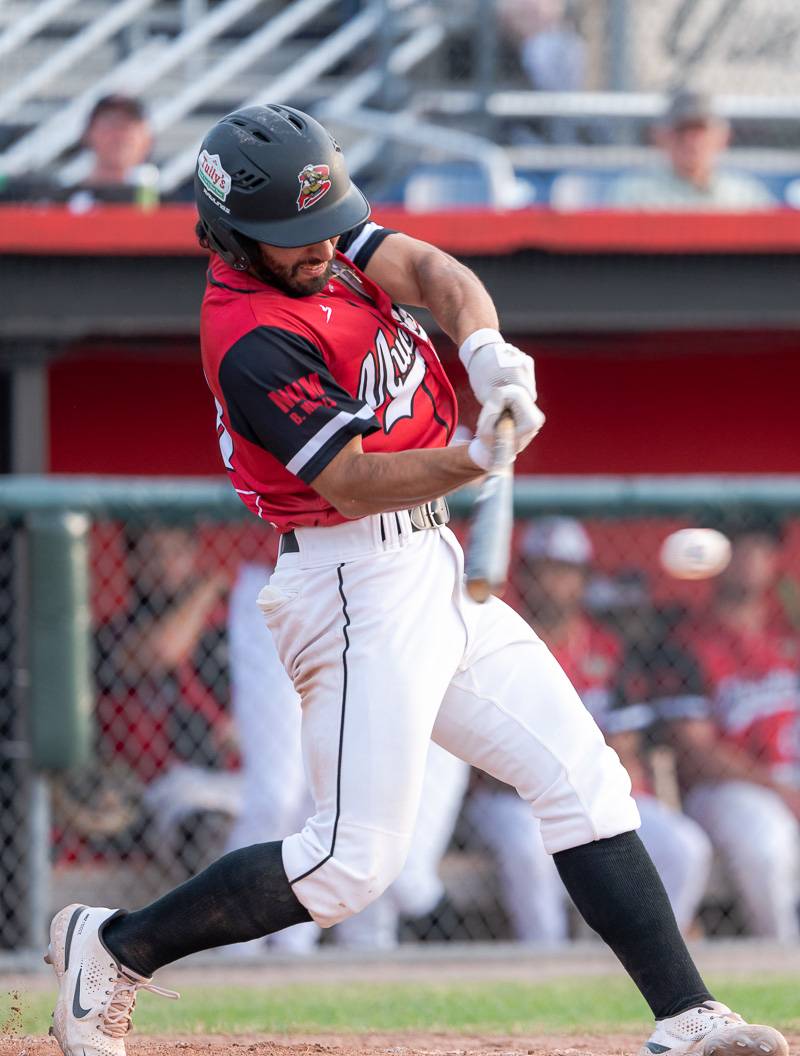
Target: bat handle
503,453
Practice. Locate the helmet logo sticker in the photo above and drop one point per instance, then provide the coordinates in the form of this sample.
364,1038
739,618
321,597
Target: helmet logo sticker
315,183
213,176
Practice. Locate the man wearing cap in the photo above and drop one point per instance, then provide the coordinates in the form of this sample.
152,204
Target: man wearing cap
692,136
556,555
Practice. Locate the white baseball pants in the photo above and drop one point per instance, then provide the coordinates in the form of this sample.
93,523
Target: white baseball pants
758,839
386,650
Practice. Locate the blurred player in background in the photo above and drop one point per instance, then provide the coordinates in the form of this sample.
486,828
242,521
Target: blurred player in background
735,723
556,555
161,667
692,137
277,799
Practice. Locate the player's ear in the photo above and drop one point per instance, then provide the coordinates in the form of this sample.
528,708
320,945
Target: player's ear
227,243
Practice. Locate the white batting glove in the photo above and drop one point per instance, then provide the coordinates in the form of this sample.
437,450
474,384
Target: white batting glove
528,420
490,361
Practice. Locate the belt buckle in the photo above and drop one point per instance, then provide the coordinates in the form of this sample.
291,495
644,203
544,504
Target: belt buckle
420,517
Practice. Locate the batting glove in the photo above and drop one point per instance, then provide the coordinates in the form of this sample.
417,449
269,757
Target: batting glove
490,361
528,420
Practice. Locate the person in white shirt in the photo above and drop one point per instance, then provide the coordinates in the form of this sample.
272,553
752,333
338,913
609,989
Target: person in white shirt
692,136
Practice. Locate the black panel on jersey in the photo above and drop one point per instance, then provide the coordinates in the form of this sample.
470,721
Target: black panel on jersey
658,680
281,396
364,247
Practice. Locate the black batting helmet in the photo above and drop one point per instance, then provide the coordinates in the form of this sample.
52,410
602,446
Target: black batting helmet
272,174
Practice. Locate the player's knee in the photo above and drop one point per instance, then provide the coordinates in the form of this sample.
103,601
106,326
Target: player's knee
591,801
357,873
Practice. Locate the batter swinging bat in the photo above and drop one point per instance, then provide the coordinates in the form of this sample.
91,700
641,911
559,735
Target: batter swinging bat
489,547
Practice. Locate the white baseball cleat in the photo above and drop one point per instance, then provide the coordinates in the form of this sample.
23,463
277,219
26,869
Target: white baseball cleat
712,1029
96,995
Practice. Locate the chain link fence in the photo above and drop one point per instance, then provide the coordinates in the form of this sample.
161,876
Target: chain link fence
192,729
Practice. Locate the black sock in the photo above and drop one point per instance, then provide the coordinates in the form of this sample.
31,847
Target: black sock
619,894
242,896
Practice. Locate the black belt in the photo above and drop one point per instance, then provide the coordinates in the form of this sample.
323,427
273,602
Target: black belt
429,515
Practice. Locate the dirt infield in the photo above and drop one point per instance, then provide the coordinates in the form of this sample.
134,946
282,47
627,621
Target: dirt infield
365,1045
354,1045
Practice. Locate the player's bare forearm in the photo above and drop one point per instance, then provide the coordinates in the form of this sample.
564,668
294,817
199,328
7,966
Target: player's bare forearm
168,640
359,483
417,273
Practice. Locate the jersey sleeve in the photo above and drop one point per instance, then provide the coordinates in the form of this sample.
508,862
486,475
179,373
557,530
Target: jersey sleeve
360,242
281,396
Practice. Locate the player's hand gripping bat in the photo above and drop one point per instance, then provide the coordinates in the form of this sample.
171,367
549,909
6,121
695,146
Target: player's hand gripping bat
489,547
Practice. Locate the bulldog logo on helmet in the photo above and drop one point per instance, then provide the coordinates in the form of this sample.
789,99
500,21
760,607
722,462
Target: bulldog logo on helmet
314,184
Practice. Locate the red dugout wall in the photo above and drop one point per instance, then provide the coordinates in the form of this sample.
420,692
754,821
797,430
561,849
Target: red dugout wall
643,403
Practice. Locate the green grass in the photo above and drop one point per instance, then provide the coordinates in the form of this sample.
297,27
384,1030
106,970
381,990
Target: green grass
496,1007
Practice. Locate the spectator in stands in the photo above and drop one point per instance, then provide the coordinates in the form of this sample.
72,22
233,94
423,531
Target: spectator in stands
119,138
556,553
118,141
552,51
735,722
162,679
553,55
276,799
692,137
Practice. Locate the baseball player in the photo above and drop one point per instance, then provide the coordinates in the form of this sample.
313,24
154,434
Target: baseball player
333,415
733,708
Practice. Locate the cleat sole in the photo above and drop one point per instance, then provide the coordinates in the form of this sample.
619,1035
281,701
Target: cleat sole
749,1040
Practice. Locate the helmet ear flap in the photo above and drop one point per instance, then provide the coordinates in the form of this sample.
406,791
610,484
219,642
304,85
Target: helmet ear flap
227,243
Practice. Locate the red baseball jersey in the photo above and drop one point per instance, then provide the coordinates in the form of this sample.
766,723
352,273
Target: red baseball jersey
747,684
294,379
590,657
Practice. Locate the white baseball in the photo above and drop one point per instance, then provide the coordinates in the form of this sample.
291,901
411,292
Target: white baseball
695,553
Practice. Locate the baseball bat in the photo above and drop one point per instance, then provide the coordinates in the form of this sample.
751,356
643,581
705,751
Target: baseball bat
489,546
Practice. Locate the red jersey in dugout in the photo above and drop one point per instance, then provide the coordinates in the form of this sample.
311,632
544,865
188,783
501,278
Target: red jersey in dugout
294,379
590,657
747,684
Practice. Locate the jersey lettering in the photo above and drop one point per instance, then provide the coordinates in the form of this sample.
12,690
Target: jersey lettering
304,395
394,372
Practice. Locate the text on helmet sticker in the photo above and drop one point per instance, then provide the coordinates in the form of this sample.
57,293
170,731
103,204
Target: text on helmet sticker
213,176
315,183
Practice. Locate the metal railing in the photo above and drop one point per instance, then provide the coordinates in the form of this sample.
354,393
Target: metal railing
139,72
93,34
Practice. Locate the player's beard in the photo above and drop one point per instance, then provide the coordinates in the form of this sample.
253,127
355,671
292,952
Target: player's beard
289,279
